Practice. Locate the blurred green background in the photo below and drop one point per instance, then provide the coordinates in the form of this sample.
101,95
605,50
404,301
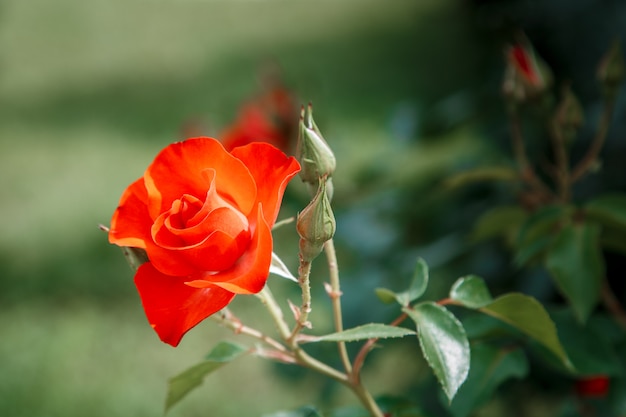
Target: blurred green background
405,91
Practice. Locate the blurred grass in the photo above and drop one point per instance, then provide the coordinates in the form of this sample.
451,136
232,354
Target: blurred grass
90,91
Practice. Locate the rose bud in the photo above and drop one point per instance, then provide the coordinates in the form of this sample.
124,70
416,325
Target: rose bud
527,76
315,156
569,116
316,224
611,69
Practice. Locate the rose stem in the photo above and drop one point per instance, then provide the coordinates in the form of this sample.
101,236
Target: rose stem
368,346
335,297
519,150
227,319
304,270
283,222
563,176
596,145
304,359
267,298
613,305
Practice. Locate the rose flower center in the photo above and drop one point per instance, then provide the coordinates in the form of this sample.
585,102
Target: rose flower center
212,233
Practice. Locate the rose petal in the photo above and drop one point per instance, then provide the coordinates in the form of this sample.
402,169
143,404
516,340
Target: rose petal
130,224
173,308
180,169
250,273
272,170
224,237
223,219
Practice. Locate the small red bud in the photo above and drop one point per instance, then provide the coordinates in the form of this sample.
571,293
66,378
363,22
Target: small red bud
527,75
593,386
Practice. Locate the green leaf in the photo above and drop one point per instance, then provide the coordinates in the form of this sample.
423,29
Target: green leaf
415,290
367,331
491,366
488,328
541,223
444,344
180,385
537,232
498,221
471,291
306,411
532,251
614,239
528,315
577,266
589,346
481,175
386,296
418,284
609,209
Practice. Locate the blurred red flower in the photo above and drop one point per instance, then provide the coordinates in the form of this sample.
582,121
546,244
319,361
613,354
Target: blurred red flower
204,217
271,117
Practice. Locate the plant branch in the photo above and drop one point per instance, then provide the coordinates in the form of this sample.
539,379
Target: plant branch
335,297
310,362
267,298
367,400
527,172
302,315
227,319
591,156
613,305
367,347
304,359
283,222
562,172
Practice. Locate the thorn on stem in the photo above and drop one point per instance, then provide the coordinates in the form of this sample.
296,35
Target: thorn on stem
332,293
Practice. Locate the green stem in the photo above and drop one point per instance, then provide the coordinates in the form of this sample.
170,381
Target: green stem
302,358
563,176
367,400
227,319
307,361
527,172
367,347
304,271
590,158
310,362
613,305
267,298
283,222
335,297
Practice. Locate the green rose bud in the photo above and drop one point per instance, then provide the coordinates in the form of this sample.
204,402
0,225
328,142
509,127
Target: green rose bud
316,224
611,69
569,116
315,156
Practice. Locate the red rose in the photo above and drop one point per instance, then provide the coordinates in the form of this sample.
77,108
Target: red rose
204,217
